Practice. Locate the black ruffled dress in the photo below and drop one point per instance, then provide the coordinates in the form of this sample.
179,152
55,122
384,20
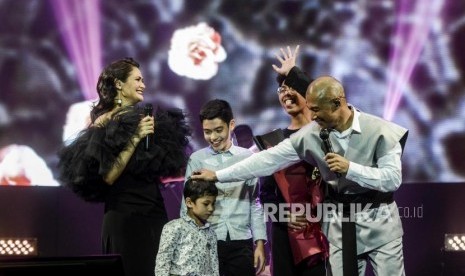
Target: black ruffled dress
134,208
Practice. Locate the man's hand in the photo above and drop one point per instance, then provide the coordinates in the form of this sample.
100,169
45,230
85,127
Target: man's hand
259,257
287,60
204,174
337,163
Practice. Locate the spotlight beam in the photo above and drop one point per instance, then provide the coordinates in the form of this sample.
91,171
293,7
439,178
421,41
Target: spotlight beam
413,29
79,23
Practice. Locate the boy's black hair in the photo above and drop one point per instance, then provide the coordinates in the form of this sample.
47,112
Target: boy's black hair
195,189
280,79
296,79
216,108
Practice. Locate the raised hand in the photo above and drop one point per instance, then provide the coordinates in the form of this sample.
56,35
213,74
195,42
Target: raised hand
287,60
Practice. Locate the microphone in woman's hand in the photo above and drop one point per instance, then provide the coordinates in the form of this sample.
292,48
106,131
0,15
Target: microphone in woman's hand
148,111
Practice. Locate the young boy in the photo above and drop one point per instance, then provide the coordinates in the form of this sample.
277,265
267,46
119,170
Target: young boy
188,244
238,219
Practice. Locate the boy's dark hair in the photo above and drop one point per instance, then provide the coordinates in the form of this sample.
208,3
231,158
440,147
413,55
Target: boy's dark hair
216,109
195,189
296,79
279,79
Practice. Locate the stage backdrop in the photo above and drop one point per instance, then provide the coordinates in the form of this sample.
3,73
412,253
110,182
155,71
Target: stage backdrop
399,59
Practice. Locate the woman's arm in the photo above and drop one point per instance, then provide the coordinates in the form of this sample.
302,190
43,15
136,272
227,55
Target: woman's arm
145,127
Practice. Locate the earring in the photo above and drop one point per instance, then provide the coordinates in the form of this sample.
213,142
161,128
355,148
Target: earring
119,102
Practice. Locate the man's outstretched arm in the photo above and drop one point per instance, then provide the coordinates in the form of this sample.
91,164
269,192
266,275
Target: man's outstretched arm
258,164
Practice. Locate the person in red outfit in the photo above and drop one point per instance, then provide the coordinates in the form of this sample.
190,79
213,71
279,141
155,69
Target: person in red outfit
298,247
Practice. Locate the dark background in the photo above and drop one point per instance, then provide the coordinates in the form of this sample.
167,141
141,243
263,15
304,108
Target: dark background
358,42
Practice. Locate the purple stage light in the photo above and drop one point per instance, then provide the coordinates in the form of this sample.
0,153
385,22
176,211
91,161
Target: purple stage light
79,25
414,22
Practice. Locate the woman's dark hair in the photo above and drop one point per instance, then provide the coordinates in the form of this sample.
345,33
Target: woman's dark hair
106,84
195,189
216,109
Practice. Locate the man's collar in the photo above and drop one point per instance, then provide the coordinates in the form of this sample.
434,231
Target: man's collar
355,121
355,126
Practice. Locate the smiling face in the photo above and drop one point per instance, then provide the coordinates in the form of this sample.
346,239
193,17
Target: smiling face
291,101
324,97
322,112
217,133
132,89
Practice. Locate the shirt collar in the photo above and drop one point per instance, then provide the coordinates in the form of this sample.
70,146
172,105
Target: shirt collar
355,127
355,121
192,222
233,150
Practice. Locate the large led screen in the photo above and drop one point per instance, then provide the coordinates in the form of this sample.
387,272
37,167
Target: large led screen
398,59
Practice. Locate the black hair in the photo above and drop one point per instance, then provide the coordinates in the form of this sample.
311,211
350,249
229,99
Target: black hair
216,109
280,79
106,84
195,189
296,79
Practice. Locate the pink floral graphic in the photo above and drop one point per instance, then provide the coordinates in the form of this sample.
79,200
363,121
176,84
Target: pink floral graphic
196,51
20,165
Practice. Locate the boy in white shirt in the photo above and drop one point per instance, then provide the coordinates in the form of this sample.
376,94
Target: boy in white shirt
188,244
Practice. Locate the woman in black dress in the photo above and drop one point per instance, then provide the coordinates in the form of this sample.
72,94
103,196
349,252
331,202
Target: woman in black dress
108,162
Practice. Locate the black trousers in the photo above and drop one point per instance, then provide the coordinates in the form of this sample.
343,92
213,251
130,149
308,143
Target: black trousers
135,238
236,257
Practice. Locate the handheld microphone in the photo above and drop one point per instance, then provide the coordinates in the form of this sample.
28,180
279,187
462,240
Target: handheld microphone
148,111
324,135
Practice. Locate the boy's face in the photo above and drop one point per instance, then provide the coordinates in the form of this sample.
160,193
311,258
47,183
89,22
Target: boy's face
291,101
218,133
201,209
